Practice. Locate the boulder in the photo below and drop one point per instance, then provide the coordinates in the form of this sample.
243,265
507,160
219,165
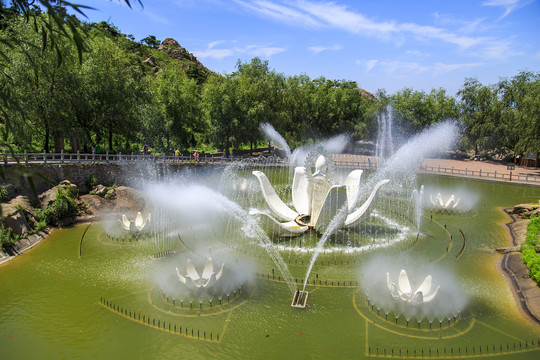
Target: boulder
526,209
128,200
48,196
17,222
100,190
96,204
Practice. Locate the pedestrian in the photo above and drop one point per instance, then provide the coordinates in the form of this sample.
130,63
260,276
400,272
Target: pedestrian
145,149
196,155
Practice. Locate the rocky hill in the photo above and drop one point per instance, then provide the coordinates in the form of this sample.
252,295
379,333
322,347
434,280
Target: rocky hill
171,51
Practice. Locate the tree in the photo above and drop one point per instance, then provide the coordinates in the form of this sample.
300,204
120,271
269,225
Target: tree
520,96
179,99
151,41
480,109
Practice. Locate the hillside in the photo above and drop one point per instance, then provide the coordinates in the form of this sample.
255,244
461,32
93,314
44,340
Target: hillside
170,51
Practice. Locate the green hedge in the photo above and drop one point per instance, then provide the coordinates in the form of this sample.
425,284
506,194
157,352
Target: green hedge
530,257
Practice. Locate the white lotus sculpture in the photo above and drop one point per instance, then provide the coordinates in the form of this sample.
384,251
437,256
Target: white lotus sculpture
208,277
403,291
315,198
137,225
438,201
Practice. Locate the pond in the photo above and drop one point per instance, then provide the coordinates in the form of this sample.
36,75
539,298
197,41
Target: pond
85,294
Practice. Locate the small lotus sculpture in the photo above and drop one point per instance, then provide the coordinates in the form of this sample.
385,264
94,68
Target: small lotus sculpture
403,290
315,198
208,277
137,225
450,204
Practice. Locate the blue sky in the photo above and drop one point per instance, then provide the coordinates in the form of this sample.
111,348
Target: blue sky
388,44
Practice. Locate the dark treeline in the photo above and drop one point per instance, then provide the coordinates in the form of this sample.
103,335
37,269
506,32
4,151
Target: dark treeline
70,87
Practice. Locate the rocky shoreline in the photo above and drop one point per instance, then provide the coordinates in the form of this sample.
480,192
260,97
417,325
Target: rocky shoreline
18,213
525,290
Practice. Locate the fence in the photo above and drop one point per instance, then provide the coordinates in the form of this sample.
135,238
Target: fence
77,158
508,175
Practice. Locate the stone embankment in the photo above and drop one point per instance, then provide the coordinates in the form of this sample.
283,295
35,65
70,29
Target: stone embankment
525,289
19,213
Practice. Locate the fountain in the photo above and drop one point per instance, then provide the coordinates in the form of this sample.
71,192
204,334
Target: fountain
137,225
391,285
403,291
315,198
207,278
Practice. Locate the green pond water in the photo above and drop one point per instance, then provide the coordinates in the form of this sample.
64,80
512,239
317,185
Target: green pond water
69,298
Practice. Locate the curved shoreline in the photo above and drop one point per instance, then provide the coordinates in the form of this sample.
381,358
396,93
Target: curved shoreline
35,239
525,290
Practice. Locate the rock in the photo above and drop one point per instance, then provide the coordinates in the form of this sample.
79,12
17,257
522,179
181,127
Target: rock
128,200
96,204
509,249
526,209
150,61
17,222
48,196
100,190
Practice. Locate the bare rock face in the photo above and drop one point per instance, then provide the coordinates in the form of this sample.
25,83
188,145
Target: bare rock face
17,222
96,204
128,200
122,200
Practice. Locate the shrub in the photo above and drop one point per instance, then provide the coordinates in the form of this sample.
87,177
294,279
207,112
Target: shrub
63,205
43,218
4,196
530,257
92,182
7,239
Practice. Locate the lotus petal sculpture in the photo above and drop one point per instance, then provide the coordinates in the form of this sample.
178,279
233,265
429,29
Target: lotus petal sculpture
208,277
137,225
403,290
315,198
438,201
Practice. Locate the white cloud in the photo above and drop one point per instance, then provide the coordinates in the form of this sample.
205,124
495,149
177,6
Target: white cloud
508,5
318,49
402,69
330,14
213,53
418,53
371,64
497,50
264,51
220,53
278,11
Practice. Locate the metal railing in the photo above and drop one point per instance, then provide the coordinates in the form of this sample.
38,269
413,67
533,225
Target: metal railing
44,158
508,175
78,158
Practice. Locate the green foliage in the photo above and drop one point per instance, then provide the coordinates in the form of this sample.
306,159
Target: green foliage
92,182
63,206
4,196
7,239
43,217
103,93
528,249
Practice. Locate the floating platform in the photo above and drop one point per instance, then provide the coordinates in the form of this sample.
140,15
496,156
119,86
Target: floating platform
299,299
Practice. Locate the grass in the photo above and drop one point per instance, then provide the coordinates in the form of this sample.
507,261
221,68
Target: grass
528,249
